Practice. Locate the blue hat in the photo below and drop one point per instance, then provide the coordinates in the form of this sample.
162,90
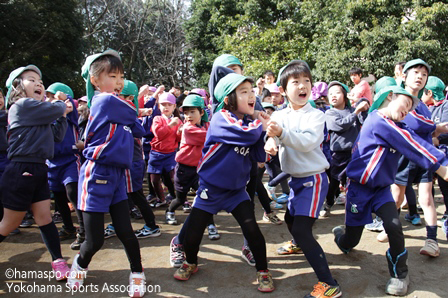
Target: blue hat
15,74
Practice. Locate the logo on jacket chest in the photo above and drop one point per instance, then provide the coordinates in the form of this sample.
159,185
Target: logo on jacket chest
242,150
127,129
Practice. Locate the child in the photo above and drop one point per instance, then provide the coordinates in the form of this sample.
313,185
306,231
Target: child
108,149
4,161
343,124
398,72
266,97
32,135
190,152
372,169
277,98
299,130
166,129
232,140
361,89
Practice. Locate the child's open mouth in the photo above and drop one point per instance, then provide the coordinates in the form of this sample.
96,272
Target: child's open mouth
302,95
251,104
39,92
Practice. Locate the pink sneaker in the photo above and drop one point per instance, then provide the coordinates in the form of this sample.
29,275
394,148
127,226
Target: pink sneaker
137,284
60,269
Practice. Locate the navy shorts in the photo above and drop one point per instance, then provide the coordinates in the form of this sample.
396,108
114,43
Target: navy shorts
409,172
100,186
159,162
24,183
307,195
59,177
4,162
362,201
213,199
338,164
185,177
134,176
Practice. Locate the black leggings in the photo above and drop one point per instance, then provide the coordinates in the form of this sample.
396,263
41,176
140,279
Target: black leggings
333,190
60,199
168,181
244,214
262,193
138,197
392,225
444,189
94,227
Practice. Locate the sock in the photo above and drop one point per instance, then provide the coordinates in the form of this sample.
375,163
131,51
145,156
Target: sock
50,236
431,232
2,238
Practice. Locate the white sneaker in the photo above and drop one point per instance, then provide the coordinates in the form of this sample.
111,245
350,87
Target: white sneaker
375,226
270,190
340,200
137,284
397,287
382,237
77,275
213,233
325,211
431,248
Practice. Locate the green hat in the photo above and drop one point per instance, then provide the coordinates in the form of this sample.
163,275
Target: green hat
225,86
344,87
381,97
290,63
226,60
197,102
437,87
384,82
85,71
130,88
55,87
267,105
15,74
312,103
415,62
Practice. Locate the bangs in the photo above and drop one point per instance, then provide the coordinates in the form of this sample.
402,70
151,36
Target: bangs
295,70
108,64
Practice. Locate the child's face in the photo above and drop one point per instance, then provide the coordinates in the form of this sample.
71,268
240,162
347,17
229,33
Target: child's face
427,98
336,96
245,98
111,82
236,68
416,78
269,79
167,108
267,99
193,116
269,111
33,84
399,107
398,71
298,90
2,101
50,96
356,78
276,99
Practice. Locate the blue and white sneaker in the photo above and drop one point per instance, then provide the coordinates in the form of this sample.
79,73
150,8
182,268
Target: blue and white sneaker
441,221
147,232
275,205
445,228
376,225
109,231
414,219
283,199
270,190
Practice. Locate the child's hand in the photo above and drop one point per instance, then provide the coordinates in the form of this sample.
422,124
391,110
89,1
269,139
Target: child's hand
180,128
270,147
264,118
69,107
274,130
60,96
143,90
260,83
174,122
80,145
363,106
159,91
145,112
443,172
440,129
260,164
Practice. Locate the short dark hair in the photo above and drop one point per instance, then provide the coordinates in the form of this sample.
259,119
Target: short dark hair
191,108
232,103
268,73
295,70
401,64
178,88
355,70
265,93
106,63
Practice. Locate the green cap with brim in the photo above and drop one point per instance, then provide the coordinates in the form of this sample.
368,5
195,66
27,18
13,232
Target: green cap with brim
289,64
415,62
15,74
226,60
437,86
55,87
85,71
384,82
225,86
381,97
195,101
267,105
345,87
130,88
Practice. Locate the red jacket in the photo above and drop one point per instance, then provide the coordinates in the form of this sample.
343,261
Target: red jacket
193,139
166,139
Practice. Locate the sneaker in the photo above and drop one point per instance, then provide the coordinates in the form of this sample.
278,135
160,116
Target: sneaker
376,225
265,282
441,221
26,223
325,212
382,237
247,256
158,203
272,218
77,275
213,232
76,245
445,228
322,289
15,232
170,218
431,248
150,198
338,231
137,284
109,231
414,219
169,198
282,199
186,207
419,209
65,234
147,232
340,200
289,248
57,218
270,190
177,254
275,205
60,269
185,271
135,213
397,287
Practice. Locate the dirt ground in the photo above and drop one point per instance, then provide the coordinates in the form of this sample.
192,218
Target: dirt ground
222,273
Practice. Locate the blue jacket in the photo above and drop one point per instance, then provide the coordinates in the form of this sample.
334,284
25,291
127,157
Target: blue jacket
229,145
419,120
377,151
111,130
147,123
439,114
3,130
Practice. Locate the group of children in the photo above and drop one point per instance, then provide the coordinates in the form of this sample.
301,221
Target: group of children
311,139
